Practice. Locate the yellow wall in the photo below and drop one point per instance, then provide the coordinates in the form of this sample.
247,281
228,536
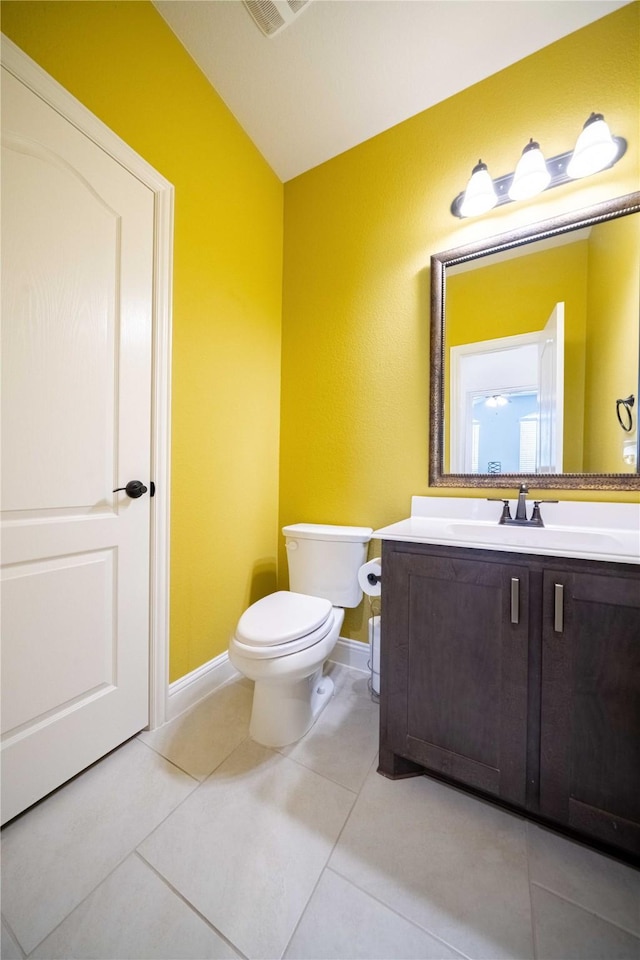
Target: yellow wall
122,61
612,336
517,296
358,234
359,231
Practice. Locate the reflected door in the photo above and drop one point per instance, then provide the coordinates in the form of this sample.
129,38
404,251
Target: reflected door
77,241
551,392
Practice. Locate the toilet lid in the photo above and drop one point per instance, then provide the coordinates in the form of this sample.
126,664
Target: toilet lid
282,650
282,617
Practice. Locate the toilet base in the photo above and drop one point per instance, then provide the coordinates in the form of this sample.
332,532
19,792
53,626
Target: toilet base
284,711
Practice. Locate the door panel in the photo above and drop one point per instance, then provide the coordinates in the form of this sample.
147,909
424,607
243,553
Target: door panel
77,240
73,669
61,316
590,732
460,650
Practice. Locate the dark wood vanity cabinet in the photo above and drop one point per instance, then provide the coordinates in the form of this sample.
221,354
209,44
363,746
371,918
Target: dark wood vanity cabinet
456,675
590,705
518,676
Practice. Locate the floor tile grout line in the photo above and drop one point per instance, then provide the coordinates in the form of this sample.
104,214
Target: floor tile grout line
159,753
581,906
131,851
189,904
534,938
356,794
377,899
397,913
80,903
323,775
134,850
355,885
137,851
304,909
198,783
120,861
348,695
13,934
276,753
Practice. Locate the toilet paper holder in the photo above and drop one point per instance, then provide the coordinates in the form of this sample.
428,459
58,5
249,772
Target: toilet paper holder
370,577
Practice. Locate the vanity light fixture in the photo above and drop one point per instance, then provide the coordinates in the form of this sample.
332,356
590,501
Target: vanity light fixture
480,195
531,175
595,150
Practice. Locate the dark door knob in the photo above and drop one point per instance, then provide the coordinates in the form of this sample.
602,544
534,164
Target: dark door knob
134,489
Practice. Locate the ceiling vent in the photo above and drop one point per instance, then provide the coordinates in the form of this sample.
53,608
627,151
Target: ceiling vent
274,15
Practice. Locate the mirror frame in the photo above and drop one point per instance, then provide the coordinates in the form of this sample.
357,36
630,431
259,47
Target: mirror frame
609,210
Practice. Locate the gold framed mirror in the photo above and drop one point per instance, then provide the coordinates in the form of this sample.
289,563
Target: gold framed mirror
535,355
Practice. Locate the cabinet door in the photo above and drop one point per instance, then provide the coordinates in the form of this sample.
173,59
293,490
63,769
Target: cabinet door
590,712
457,684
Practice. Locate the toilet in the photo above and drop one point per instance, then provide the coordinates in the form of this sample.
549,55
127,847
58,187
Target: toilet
282,641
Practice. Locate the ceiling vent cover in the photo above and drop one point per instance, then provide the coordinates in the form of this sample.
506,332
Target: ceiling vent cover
274,15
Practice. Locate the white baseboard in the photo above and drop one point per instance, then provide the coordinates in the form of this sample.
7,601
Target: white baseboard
188,690
352,653
191,688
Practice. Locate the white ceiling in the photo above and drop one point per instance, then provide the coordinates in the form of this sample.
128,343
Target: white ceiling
345,70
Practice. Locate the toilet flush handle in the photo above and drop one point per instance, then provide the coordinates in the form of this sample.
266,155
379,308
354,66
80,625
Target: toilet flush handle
292,544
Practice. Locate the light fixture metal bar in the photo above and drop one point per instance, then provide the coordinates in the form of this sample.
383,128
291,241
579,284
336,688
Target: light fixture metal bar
557,167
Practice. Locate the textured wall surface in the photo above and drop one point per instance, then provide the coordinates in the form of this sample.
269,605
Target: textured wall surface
359,232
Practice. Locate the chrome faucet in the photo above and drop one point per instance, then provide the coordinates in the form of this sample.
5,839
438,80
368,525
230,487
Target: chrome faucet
520,519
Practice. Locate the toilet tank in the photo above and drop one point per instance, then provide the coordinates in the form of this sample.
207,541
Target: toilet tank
324,560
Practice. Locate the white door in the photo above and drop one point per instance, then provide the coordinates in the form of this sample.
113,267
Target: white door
77,273
502,366
551,392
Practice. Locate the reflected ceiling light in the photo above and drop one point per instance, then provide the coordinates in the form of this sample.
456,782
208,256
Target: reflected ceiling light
531,176
496,401
480,195
595,150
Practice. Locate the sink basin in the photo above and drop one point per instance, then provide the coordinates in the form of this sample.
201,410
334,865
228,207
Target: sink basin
556,538
596,531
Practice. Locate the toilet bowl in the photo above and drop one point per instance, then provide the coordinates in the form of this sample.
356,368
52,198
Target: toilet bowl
282,641
290,691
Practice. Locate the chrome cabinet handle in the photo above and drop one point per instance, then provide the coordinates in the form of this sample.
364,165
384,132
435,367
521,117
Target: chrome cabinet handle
558,608
515,600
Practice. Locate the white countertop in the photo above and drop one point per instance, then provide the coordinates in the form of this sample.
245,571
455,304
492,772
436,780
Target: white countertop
591,531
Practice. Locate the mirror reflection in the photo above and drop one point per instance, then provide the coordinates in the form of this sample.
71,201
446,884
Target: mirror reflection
539,343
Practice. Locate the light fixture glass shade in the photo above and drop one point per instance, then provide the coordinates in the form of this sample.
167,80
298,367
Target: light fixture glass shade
595,148
480,194
531,175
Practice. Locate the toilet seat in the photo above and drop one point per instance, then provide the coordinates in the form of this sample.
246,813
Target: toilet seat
283,623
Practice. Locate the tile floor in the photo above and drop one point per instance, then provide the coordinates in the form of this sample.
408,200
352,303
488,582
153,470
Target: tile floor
194,841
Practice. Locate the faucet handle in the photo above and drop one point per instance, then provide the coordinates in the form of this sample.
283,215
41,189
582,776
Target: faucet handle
506,513
536,516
